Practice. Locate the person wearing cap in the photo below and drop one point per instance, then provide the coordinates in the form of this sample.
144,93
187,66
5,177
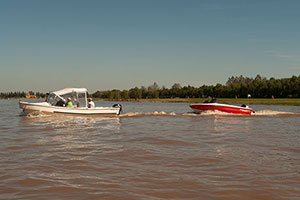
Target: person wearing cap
91,104
69,103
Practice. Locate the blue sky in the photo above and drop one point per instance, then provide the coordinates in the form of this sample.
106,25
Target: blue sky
118,44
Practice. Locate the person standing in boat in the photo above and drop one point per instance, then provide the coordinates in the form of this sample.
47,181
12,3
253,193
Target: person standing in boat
91,104
69,103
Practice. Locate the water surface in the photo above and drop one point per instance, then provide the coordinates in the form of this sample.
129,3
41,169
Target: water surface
152,151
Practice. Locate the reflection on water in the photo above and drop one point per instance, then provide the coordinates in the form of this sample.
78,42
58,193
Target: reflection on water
227,125
74,132
67,122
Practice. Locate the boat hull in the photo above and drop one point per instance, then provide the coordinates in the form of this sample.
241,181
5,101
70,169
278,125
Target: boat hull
43,107
198,108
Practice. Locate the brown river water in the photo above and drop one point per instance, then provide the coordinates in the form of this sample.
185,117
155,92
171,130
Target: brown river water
152,151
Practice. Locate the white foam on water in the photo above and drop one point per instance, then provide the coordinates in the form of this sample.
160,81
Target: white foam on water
217,112
274,113
162,113
191,114
210,113
155,113
37,114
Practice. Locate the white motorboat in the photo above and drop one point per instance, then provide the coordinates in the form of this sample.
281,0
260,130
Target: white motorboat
56,103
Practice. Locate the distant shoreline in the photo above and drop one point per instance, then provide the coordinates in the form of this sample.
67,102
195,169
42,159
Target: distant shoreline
255,101
20,98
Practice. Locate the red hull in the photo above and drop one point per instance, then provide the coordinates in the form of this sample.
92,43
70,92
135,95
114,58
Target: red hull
221,107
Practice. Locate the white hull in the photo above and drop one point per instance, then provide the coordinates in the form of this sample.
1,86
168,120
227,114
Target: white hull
44,107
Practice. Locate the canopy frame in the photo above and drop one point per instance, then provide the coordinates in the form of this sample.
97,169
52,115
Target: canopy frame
77,91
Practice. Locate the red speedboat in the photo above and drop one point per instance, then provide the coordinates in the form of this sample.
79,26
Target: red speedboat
200,107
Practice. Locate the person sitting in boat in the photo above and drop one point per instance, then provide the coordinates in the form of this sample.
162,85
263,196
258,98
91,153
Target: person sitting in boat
214,100
211,100
207,100
91,104
60,103
69,103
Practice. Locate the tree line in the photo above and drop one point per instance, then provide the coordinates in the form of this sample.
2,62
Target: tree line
21,94
235,87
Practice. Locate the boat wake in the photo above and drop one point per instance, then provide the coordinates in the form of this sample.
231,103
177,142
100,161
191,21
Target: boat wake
191,114
274,113
260,113
210,113
138,114
37,115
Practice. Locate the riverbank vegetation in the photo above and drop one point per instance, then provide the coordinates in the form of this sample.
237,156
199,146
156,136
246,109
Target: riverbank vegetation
14,95
236,101
237,90
235,87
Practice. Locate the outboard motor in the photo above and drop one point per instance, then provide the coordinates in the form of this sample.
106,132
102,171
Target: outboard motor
118,106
